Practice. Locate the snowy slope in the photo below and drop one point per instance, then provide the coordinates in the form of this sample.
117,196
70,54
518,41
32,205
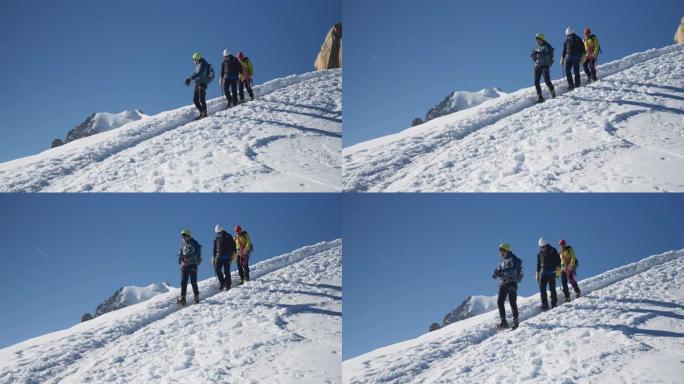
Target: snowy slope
284,326
622,133
130,295
288,139
628,328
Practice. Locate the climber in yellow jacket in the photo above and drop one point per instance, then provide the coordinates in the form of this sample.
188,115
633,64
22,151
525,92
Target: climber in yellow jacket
593,48
246,76
568,269
244,246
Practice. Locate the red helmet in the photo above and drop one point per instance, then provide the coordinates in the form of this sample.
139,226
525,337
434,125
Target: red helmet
241,55
587,31
562,243
238,229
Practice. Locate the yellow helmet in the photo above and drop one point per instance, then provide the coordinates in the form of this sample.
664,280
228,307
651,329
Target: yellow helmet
196,56
539,36
185,231
505,247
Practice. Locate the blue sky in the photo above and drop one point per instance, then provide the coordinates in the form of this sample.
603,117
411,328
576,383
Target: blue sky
63,60
403,57
411,258
65,253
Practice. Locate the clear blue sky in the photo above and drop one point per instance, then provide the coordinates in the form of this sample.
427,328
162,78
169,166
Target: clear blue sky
411,258
65,253
63,60
403,57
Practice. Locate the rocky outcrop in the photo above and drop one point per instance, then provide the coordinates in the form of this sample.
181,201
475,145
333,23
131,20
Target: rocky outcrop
679,35
434,327
86,316
56,143
330,55
417,121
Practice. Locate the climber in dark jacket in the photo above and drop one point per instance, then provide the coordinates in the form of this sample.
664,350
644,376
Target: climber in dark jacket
548,268
201,78
189,258
224,252
231,69
509,271
542,55
573,51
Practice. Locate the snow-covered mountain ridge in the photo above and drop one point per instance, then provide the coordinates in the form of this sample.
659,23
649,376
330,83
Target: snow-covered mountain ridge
624,132
101,122
627,327
129,295
282,327
471,306
287,139
458,101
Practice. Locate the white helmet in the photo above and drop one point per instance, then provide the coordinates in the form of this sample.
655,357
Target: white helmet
542,242
569,31
226,52
218,228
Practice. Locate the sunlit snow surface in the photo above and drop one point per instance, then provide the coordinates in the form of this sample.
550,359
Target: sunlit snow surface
627,328
288,139
285,326
622,133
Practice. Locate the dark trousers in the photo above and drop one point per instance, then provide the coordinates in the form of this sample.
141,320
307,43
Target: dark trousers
189,271
248,84
243,266
540,70
549,280
590,68
230,90
569,275
510,290
572,64
222,269
199,97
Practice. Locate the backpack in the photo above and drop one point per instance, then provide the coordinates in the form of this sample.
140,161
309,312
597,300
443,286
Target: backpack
251,245
519,273
210,74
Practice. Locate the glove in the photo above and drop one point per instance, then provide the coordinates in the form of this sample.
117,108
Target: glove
558,271
213,261
494,275
537,276
561,61
187,82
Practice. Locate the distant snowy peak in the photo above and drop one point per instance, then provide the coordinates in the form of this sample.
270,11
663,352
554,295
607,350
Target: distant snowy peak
471,306
101,122
126,296
458,101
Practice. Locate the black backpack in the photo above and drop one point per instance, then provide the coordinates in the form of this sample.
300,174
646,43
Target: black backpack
210,74
520,273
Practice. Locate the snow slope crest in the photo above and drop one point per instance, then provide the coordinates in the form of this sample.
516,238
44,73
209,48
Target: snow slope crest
283,326
628,326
